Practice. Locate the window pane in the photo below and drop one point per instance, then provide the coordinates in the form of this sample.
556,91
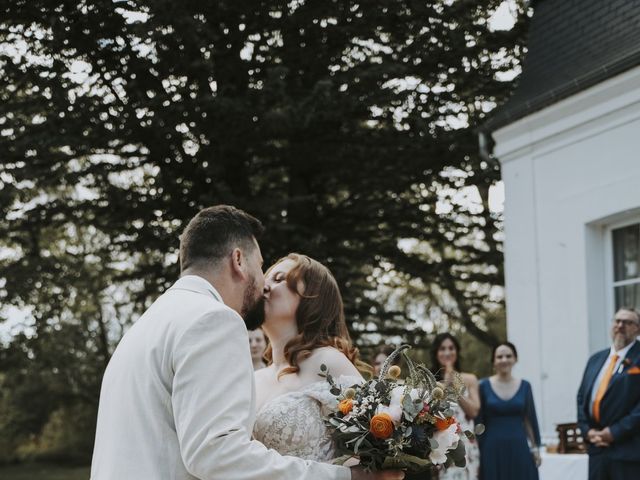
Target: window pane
626,252
628,296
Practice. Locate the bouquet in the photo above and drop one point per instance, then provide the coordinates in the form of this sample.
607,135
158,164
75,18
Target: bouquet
388,422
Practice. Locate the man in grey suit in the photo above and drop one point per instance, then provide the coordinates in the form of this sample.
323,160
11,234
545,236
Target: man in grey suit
177,399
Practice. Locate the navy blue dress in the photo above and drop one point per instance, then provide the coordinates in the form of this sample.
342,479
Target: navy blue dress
504,451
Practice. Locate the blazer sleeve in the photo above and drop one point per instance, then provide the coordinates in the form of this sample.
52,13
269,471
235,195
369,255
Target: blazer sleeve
627,426
212,408
583,398
530,414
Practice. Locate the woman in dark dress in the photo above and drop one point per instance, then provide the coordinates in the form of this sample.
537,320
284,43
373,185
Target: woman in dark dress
509,446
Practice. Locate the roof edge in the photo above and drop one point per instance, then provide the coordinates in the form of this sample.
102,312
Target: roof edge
540,102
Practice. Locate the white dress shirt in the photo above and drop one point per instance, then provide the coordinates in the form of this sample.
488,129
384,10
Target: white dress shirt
178,399
621,356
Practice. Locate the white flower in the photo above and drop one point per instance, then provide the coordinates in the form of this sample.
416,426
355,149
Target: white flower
447,440
396,396
394,411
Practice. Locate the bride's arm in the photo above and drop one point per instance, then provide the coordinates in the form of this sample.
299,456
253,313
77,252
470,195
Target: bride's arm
261,378
470,404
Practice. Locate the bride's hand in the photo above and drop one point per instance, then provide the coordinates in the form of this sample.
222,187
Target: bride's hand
449,372
359,474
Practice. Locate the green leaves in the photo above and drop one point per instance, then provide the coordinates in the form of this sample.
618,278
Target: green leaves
458,455
433,444
331,124
411,407
348,129
406,461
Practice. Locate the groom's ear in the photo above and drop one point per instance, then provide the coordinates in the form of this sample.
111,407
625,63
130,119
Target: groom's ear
238,261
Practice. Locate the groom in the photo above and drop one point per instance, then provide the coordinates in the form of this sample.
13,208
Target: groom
177,399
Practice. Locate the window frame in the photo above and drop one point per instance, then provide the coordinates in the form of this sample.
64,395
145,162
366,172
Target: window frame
610,262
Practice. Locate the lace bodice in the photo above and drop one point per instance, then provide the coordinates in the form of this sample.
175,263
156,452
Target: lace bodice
292,423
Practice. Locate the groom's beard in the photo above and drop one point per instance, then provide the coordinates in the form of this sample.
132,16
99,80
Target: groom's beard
254,315
252,308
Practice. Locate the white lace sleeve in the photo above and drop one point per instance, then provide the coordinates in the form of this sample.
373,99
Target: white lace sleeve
293,423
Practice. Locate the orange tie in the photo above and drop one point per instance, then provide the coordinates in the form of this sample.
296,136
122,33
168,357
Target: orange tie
602,388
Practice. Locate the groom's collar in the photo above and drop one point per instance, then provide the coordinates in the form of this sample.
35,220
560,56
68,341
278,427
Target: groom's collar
623,352
195,283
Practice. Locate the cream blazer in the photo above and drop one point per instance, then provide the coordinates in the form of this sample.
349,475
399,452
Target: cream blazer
178,399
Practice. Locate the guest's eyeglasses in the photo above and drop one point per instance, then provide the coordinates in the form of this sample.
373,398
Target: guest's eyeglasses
624,322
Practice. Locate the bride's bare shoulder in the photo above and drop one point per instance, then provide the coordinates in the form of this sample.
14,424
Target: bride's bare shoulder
264,374
469,378
336,361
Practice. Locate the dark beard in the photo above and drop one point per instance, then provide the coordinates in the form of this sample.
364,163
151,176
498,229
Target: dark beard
252,310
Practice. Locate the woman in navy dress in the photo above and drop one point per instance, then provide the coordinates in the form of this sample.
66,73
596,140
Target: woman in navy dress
509,446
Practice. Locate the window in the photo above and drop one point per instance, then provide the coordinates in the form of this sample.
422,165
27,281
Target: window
626,266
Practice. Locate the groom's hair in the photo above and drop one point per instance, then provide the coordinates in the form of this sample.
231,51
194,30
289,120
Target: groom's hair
630,310
214,232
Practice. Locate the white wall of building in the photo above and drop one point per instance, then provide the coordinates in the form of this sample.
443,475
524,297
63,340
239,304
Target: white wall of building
571,171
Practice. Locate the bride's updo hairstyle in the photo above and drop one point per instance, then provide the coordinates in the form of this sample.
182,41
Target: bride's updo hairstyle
319,316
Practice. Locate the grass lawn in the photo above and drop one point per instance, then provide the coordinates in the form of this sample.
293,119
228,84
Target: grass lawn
42,471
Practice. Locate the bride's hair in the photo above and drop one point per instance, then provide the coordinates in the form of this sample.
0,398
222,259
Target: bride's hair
319,316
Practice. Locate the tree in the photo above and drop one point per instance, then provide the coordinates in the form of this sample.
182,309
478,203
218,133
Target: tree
345,126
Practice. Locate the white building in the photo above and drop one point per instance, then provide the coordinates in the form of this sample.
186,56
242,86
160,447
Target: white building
568,142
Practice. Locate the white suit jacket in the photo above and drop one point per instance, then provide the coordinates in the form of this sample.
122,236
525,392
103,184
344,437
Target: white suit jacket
178,398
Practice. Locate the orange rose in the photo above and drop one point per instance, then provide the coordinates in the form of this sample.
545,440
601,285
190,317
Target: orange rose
381,426
444,423
345,406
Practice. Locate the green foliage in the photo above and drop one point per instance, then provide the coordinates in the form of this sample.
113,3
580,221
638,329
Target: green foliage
67,437
49,393
476,356
43,472
347,127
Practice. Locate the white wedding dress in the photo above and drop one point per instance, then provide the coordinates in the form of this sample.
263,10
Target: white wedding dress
472,453
293,423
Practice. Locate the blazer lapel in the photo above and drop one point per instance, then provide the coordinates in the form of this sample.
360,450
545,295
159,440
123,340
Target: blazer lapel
630,359
634,354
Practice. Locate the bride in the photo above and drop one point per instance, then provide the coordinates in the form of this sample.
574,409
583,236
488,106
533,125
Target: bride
305,324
